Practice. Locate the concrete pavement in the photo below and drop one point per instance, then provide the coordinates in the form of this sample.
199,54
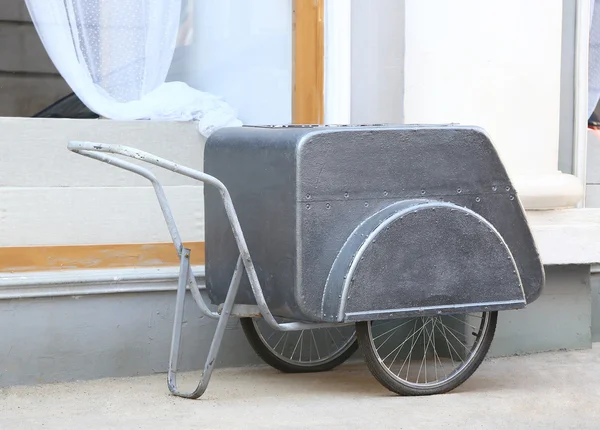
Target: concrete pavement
543,391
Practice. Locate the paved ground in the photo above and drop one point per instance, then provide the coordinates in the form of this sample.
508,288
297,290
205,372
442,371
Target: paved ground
544,391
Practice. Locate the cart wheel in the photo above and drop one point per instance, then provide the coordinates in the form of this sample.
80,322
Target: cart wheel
426,355
301,351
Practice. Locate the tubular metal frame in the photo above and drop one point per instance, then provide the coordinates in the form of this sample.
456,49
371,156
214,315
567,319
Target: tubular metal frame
100,151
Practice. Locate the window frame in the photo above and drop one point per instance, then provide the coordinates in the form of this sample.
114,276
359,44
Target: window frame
308,61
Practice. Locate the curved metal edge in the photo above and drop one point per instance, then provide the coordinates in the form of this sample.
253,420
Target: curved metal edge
386,314
373,235
334,285
522,214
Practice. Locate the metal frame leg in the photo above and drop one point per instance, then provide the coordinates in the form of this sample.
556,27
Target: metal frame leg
215,345
98,151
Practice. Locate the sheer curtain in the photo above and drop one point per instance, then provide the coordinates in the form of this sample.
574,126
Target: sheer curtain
115,55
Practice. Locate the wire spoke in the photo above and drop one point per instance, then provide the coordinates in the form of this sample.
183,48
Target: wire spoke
450,346
462,321
402,344
455,337
315,342
272,334
283,334
392,330
287,334
456,331
301,343
397,353
475,316
384,342
412,347
424,335
434,350
306,348
425,348
331,336
395,328
438,356
338,330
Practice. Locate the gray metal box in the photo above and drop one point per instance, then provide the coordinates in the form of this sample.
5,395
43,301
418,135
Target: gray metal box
307,198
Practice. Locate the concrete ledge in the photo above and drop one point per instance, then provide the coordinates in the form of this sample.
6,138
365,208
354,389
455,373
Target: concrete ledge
90,337
91,282
567,236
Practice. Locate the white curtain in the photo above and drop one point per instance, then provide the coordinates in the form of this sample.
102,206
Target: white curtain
115,55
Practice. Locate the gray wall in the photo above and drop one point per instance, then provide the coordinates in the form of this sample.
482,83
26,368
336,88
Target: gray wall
112,335
92,336
560,319
595,282
28,79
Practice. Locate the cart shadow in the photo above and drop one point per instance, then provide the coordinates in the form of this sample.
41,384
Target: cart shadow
355,380
351,379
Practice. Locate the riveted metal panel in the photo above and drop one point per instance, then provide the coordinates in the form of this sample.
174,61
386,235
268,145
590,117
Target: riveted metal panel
431,258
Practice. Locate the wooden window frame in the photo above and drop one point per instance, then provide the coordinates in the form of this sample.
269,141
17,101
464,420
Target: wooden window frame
309,62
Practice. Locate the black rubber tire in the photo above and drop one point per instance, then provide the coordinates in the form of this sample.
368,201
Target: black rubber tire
396,386
272,360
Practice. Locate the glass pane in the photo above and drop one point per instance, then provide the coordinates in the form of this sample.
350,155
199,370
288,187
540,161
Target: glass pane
240,50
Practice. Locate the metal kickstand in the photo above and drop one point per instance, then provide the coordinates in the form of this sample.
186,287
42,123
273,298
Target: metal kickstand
215,345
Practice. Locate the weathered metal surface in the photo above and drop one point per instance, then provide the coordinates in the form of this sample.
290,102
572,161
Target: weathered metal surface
432,257
98,151
242,311
243,264
300,192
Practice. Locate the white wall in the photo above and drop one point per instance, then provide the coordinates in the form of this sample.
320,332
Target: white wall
50,196
494,64
242,51
377,61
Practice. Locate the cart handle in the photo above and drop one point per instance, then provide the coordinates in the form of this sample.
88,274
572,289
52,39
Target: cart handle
98,151
92,150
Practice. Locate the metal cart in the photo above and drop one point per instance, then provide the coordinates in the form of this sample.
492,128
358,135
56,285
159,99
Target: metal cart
405,240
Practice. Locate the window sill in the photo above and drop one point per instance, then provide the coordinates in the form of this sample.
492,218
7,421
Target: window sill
567,236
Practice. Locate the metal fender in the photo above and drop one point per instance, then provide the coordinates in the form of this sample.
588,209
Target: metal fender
422,257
